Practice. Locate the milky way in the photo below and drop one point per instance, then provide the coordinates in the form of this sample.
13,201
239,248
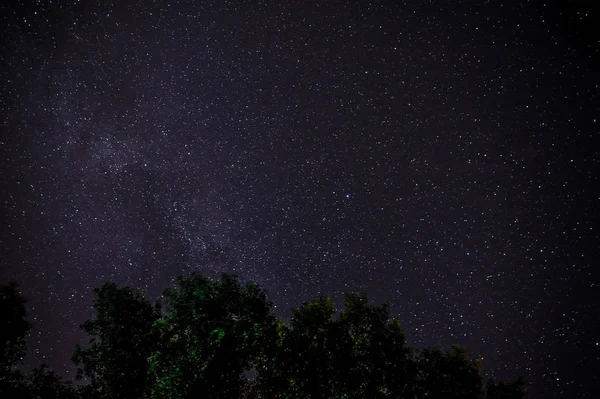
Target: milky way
437,157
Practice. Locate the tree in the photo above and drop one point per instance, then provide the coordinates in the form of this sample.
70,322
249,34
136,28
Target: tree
373,360
300,364
504,390
46,384
117,360
448,374
361,354
14,326
13,330
212,333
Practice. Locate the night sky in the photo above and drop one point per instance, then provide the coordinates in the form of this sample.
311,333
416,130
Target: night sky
434,154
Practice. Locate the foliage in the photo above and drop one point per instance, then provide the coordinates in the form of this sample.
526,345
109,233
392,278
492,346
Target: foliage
447,375
15,326
46,384
43,383
503,390
117,360
218,339
361,354
13,331
212,333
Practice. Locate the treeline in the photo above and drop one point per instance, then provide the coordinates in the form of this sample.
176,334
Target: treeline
220,339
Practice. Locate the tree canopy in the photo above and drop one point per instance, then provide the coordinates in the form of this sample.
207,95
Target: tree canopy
219,339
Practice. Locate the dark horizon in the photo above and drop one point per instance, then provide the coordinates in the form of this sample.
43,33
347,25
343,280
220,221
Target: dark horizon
435,156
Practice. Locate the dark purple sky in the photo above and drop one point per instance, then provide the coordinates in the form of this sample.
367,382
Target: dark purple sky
434,154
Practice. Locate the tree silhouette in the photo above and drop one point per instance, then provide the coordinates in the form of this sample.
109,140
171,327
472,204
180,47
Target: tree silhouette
447,375
301,364
361,354
43,383
46,384
15,325
12,340
117,360
212,336
374,361
503,390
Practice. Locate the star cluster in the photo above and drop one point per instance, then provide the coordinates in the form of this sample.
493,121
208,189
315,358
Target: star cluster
435,156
